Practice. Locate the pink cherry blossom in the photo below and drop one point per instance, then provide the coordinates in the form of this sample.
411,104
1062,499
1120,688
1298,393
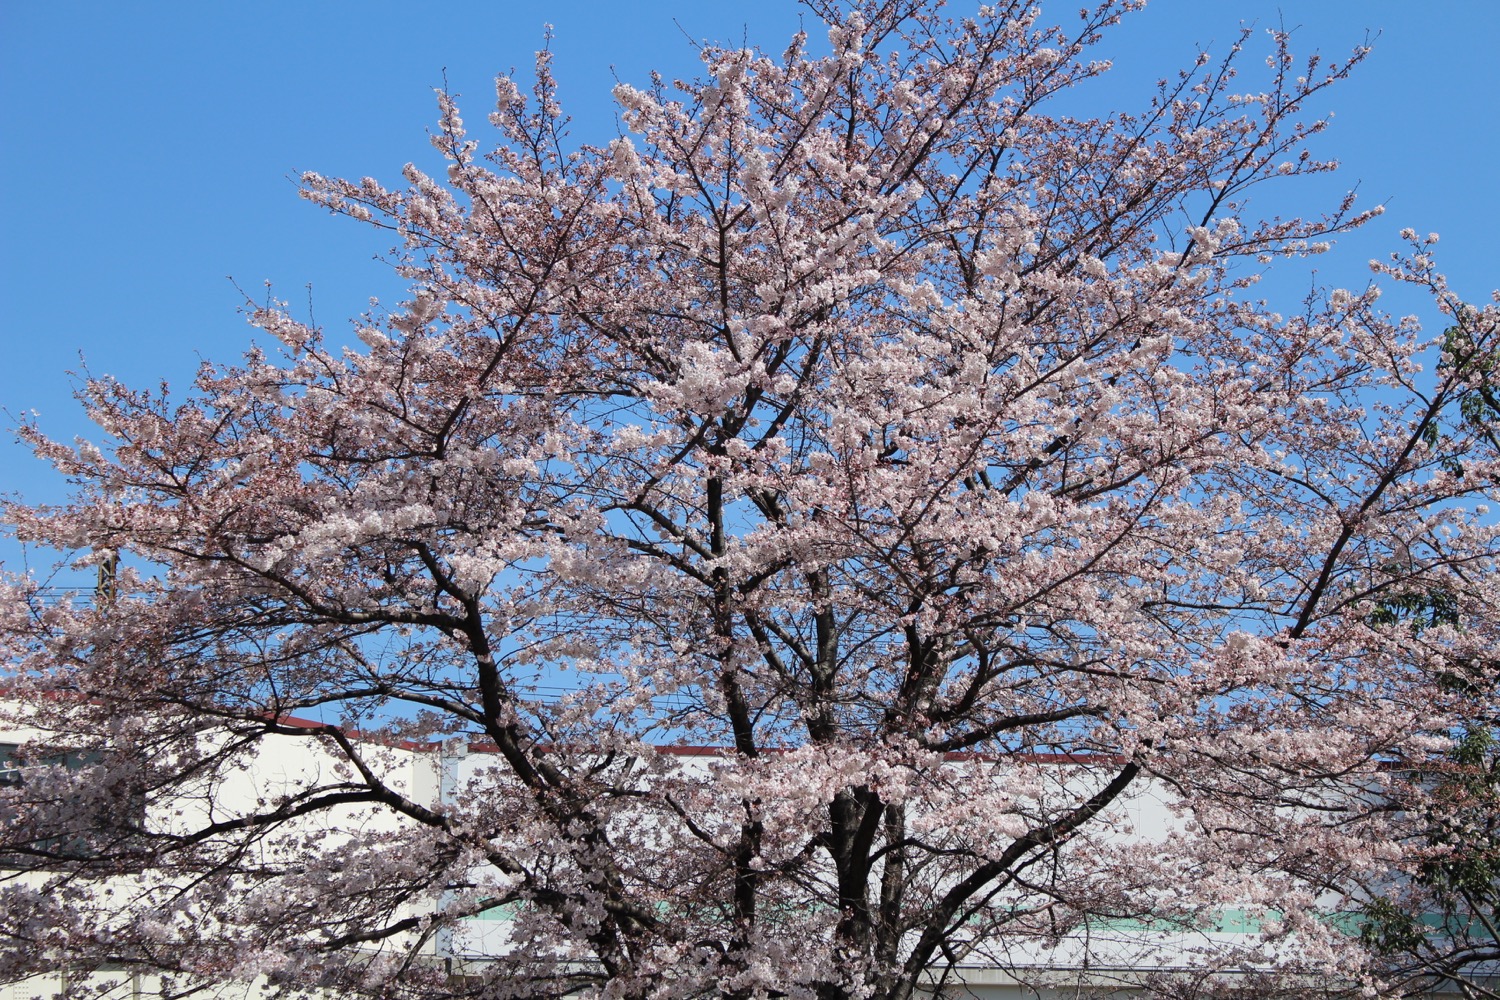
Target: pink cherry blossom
922,452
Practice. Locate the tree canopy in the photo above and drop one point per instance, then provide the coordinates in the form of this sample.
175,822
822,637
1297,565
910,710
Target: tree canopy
857,411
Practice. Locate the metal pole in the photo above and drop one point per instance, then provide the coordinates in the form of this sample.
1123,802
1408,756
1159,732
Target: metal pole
450,760
104,586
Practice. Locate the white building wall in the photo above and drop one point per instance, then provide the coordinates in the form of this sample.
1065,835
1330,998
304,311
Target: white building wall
1113,958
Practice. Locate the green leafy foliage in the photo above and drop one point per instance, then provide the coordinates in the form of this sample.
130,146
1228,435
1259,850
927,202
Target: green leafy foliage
1479,403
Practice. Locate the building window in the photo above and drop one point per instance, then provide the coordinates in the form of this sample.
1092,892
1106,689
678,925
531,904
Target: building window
82,832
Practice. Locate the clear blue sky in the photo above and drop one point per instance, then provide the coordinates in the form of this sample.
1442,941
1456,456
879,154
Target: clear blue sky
146,149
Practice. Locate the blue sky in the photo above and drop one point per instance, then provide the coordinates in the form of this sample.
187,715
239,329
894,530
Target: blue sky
147,150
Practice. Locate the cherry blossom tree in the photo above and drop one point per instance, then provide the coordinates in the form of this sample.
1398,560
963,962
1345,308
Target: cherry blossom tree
856,411
1437,925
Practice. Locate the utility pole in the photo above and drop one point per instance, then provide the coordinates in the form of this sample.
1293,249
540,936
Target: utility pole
104,586
450,761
